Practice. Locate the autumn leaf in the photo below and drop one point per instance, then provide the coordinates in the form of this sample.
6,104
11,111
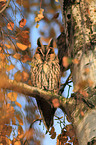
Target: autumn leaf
53,135
84,93
55,103
39,17
25,76
7,45
65,61
17,143
21,46
52,130
25,34
19,119
75,61
2,56
37,25
29,133
12,96
17,56
10,67
25,58
57,1
22,23
20,131
13,121
18,76
18,104
29,82
10,26
82,113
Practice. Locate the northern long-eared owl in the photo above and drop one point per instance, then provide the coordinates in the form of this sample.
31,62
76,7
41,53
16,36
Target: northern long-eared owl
45,74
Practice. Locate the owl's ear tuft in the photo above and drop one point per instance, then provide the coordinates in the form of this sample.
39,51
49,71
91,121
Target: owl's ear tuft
39,42
50,44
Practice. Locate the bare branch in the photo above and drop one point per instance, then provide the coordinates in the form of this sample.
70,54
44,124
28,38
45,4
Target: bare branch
5,6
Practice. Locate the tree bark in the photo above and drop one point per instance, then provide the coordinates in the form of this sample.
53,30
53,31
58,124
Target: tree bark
81,44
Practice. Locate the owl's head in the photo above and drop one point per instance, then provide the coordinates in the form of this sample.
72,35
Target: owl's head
45,52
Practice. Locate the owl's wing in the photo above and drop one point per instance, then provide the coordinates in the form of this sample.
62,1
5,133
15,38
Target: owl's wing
47,112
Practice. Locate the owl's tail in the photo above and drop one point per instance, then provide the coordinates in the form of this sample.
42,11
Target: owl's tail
47,112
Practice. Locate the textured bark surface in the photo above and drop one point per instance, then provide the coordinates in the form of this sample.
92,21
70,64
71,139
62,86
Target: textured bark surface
80,32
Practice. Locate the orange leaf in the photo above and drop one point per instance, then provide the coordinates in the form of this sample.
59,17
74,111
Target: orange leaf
18,76
25,34
30,83
13,121
22,23
18,104
10,67
7,45
75,61
25,58
12,96
2,56
17,56
21,46
25,76
17,143
10,26
84,93
55,103
82,113
19,119
65,61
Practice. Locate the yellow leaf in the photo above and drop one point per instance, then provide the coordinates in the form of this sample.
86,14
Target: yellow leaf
41,11
18,104
57,1
10,67
12,96
21,46
37,25
10,25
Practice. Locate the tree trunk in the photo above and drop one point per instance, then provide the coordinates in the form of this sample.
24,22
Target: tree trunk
80,17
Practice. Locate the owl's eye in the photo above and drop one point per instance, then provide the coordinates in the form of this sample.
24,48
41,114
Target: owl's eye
39,51
51,51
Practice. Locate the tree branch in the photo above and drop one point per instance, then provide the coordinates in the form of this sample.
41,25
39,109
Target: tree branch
5,6
36,92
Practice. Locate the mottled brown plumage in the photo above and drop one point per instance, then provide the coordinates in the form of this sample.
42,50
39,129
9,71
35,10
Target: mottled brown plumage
45,74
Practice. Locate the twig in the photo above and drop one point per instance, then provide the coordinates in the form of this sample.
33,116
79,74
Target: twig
64,85
5,6
39,119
